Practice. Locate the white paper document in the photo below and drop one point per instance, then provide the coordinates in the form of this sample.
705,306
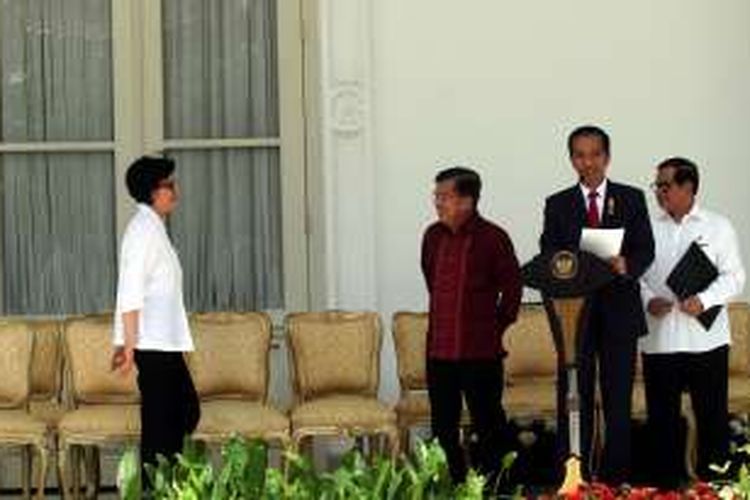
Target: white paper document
604,243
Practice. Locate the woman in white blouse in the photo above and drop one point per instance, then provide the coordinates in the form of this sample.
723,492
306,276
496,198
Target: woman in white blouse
150,325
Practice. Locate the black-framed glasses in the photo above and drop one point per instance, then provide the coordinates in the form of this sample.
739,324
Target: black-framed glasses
661,185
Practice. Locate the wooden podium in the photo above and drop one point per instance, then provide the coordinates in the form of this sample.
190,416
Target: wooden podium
565,279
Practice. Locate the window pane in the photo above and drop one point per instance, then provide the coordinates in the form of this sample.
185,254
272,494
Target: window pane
227,229
58,233
56,70
220,69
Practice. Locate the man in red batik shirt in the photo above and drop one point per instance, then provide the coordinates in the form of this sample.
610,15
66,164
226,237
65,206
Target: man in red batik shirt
475,289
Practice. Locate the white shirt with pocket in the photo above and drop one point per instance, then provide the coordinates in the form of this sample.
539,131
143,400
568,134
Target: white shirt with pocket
150,281
678,331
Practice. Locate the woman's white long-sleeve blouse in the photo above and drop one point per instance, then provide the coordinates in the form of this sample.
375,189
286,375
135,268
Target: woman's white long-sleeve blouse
150,281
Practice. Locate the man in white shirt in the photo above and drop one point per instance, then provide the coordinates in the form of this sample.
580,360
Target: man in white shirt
678,352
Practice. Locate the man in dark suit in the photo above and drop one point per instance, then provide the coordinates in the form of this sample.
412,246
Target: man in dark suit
614,316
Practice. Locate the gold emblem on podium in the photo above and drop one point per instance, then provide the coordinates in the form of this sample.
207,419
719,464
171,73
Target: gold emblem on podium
564,265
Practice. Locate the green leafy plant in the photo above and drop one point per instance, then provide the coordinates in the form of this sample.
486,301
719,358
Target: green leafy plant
738,486
244,473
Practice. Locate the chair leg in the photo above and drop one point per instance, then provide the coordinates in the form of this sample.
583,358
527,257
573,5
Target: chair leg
26,470
42,478
405,439
305,446
92,469
691,444
75,462
63,456
393,443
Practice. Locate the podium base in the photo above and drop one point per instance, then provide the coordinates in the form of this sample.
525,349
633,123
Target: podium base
573,479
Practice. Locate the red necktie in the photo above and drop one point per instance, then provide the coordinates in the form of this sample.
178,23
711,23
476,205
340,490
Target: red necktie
592,215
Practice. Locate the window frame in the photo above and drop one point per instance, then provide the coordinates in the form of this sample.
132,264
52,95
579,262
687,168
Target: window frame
138,107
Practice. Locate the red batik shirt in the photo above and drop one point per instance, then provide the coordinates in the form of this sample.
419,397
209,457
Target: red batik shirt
475,289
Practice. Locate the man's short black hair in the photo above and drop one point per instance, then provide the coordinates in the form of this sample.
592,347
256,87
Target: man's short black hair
144,174
588,131
684,171
465,180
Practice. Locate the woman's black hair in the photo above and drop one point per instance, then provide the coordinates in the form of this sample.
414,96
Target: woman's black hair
145,174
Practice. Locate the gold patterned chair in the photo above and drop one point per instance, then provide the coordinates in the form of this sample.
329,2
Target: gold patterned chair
17,426
739,358
103,404
335,359
410,342
46,400
413,407
531,366
230,372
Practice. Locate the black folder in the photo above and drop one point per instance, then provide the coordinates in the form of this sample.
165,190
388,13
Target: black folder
692,275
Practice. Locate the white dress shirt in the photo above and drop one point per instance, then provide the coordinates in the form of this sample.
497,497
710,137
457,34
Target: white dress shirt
150,281
677,331
601,191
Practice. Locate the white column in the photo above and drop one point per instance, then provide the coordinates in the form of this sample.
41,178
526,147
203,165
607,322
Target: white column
346,165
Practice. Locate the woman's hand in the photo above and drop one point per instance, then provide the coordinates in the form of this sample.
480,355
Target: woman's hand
122,360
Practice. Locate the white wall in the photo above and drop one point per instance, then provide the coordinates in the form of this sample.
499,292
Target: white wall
497,85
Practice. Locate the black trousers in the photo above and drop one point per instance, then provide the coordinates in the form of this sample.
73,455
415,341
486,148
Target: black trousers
705,376
169,404
613,356
481,384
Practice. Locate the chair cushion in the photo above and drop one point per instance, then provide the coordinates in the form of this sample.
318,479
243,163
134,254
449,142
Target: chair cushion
88,342
531,349
343,412
48,411
221,419
414,406
531,396
101,422
15,360
335,352
410,340
19,426
231,354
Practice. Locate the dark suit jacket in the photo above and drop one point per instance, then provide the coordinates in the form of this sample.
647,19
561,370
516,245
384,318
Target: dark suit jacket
617,307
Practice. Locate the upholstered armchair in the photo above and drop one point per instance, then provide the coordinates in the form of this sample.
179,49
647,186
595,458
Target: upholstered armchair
230,372
739,358
17,426
46,399
531,366
410,341
413,407
335,360
103,404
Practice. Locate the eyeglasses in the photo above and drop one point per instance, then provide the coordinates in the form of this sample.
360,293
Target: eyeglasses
661,185
443,197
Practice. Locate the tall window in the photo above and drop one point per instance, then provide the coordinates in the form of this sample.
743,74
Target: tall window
88,85
221,124
56,158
